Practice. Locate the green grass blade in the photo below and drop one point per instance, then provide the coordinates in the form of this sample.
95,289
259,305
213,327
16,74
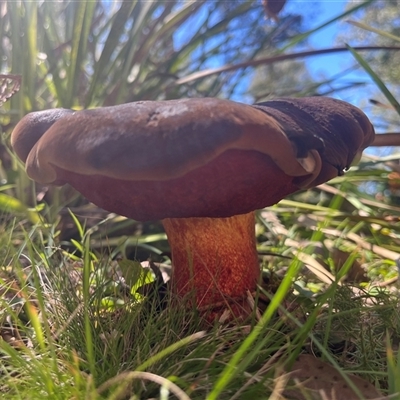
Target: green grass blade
170,349
228,373
82,19
203,33
339,17
87,269
173,22
102,66
393,366
375,30
78,225
31,53
15,206
378,81
52,47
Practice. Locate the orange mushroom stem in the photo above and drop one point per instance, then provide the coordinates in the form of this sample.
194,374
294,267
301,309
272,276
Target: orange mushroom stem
215,259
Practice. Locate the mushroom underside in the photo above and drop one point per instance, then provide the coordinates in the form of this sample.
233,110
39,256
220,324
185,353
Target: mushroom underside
212,242
236,182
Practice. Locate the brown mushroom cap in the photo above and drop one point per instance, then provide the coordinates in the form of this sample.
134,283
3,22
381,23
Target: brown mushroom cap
192,158
341,128
33,127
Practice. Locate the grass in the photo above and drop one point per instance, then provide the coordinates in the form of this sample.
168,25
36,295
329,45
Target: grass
72,329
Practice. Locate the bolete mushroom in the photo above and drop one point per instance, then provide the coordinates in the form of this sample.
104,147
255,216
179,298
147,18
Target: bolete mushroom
202,166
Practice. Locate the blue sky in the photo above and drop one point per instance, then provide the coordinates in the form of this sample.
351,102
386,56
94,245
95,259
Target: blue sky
328,65
331,64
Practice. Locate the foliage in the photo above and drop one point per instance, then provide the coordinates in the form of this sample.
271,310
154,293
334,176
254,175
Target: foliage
385,17
78,322
100,53
380,24
289,78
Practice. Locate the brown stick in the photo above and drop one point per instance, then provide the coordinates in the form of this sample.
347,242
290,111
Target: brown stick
273,59
386,139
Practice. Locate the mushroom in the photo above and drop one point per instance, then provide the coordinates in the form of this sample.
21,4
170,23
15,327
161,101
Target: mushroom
202,166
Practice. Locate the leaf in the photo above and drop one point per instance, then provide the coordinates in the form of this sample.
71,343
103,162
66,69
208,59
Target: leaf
347,264
135,275
9,85
78,245
317,376
273,7
12,205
